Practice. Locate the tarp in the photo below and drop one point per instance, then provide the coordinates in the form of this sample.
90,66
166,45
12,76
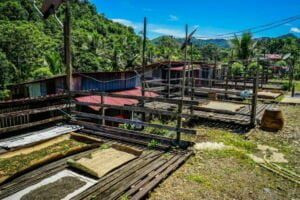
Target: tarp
37,136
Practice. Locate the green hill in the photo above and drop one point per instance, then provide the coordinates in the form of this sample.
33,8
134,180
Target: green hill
31,47
198,42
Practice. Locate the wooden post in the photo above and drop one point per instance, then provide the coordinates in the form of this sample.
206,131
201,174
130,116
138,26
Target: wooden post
68,43
254,100
293,91
169,78
245,76
210,75
144,65
291,75
226,80
102,110
68,51
214,74
193,79
180,105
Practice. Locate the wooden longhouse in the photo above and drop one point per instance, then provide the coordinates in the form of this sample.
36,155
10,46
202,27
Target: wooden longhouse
99,81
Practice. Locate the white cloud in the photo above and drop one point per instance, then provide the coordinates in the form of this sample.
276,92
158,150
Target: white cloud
295,30
173,18
126,23
167,31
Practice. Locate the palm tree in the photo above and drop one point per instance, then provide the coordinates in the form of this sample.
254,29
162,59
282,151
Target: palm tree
244,49
54,62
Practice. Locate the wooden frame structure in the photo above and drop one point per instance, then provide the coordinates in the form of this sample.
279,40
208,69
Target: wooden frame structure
134,179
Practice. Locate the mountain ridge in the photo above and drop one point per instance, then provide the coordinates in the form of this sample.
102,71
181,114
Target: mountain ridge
223,43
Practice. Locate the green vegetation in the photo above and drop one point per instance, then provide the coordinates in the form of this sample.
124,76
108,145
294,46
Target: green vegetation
229,173
32,48
9,166
153,144
198,179
159,131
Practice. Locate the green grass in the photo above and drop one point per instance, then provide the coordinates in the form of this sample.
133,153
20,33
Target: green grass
153,144
105,146
286,82
198,179
229,138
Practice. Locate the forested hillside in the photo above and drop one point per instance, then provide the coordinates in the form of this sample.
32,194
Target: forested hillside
31,47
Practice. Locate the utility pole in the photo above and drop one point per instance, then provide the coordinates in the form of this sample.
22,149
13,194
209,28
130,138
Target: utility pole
144,65
68,43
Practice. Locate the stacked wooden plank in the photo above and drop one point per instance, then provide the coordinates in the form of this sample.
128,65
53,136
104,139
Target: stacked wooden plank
134,179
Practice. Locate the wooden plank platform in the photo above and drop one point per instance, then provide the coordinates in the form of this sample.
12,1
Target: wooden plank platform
135,179
241,117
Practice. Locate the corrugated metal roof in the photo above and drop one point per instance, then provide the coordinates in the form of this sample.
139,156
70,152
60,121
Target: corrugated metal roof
115,101
37,136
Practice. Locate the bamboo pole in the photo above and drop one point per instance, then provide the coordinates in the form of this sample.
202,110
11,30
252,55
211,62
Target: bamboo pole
254,101
193,79
169,78
180,105
144,65
68,43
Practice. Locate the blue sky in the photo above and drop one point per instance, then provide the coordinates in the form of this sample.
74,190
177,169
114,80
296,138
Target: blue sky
212,17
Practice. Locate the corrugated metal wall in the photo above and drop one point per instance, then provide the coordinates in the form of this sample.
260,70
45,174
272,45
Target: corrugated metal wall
122,81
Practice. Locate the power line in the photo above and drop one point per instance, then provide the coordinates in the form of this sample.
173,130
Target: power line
261,28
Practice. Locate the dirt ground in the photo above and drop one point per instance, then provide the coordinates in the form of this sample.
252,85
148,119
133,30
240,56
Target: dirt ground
229,173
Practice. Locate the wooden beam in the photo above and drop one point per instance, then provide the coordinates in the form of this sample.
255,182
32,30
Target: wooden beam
158,99
32,124
34,111
91,128
135,109
146,137
127,121
227,112
27,101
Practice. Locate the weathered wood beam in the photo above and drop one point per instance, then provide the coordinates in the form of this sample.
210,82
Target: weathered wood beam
135,109
32,124
127,121
158,99
220,111
34,110
33,100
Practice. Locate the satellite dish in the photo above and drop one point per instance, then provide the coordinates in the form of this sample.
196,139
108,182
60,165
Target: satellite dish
49,7
286,56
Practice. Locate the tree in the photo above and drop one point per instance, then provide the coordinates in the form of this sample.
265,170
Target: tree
12,10
6,71
54,62
244,47
209,52
40,73
167,47
25,47
237,69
